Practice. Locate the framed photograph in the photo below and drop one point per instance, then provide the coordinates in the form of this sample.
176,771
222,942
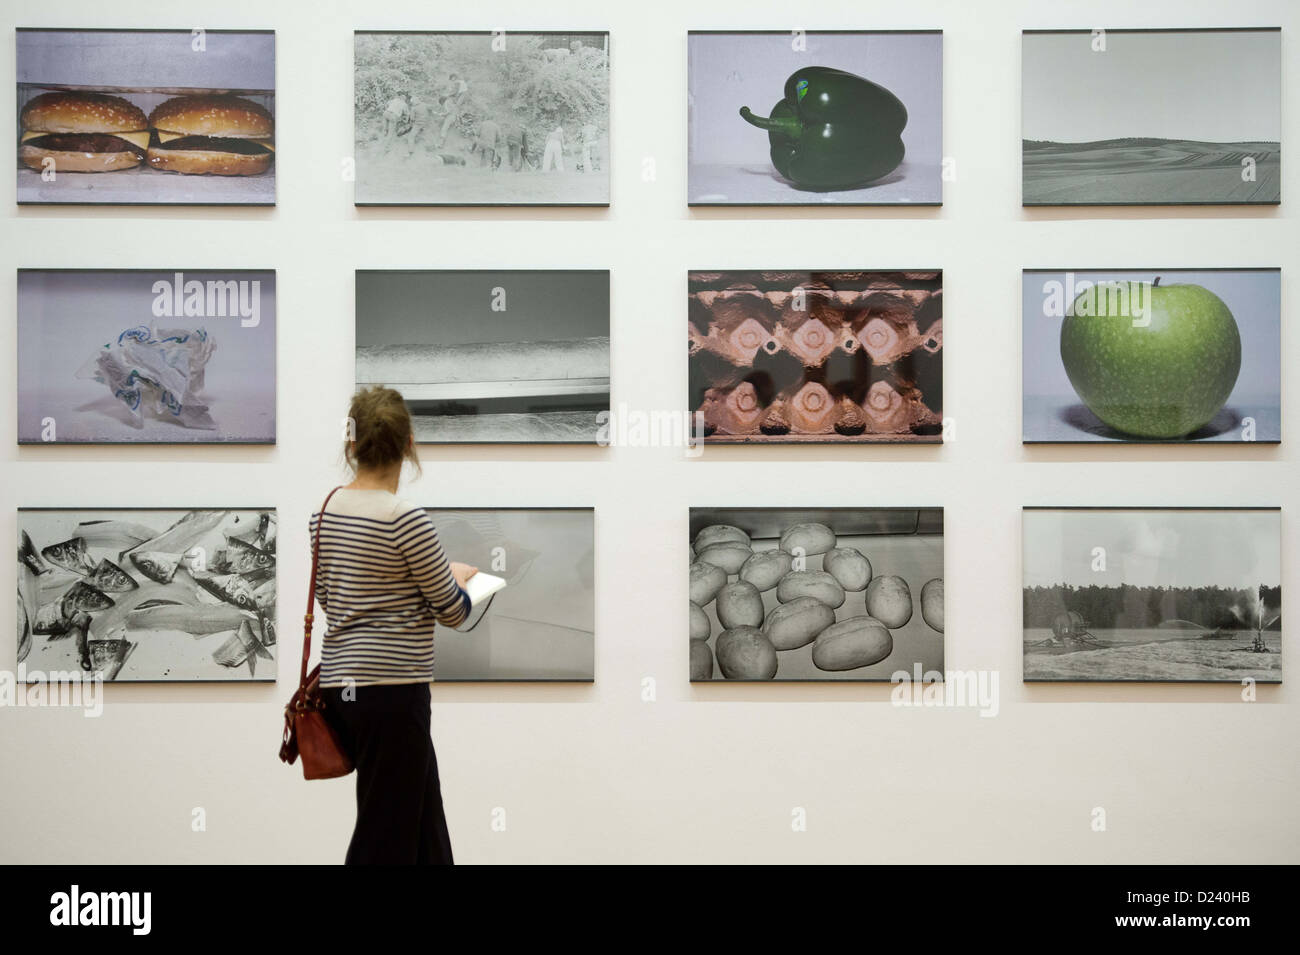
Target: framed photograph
816,594
146,356
146,117
542,626
834,357
1151,117
147,594
481,119
1143,355
801,118
500,357
1158,595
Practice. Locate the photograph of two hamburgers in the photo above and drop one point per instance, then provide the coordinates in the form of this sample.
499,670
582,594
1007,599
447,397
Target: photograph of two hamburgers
146,116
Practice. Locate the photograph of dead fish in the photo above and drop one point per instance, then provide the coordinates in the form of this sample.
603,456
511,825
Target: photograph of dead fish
1158,595
146,356
500,357
1151,117
147,117
785,357
815,594
148,594
542,626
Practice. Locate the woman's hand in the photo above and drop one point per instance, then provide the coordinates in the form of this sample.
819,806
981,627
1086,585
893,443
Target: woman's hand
462,573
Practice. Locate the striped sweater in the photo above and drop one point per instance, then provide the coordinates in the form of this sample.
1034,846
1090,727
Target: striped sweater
383,581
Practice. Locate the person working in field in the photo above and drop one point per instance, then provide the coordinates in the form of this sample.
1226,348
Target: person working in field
395,116
453,102
590,145
421,119
553,156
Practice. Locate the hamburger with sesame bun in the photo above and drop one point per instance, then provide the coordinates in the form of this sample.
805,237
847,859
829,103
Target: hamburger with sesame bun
211,135
82,132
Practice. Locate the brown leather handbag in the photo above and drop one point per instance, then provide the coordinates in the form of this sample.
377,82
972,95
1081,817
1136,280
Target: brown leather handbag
307,730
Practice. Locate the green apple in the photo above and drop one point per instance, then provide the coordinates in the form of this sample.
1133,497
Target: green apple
1151,360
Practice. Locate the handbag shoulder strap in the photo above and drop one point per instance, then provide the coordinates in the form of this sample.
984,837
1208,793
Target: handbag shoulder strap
311,590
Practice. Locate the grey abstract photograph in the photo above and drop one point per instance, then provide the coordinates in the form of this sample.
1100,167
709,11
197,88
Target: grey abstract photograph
815,117
1168,595
1151,117
542,625
502,357
481,118
146,356
147,594
1152,355
146,117
816,594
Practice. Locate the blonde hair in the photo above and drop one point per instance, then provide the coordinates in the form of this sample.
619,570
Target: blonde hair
380,430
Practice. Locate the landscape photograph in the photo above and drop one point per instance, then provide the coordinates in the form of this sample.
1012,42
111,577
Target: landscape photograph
1151,117
1169,595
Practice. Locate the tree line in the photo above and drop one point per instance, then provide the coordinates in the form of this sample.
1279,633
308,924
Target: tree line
1128,607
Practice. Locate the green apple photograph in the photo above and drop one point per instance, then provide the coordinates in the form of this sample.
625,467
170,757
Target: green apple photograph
1152,355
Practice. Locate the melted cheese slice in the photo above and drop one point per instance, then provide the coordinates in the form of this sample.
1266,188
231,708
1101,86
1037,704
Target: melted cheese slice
139,138
166,137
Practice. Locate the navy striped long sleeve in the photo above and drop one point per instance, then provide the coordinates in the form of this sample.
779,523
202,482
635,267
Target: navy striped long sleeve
383,582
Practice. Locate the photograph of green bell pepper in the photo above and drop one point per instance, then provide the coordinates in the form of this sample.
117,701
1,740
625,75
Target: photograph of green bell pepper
833,130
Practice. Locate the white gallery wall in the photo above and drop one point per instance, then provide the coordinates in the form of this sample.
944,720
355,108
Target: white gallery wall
642,765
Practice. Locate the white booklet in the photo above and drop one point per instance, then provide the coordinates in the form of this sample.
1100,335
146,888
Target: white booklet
481,588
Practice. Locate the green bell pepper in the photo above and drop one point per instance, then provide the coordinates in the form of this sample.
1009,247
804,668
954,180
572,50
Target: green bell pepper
833,130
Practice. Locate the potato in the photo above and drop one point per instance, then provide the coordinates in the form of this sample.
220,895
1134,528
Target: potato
889,601
746,654
701,629
740,605
706,581
730,556
701,661
849,567
932,603
719,534
852,643
795,624
810,583
808,539
765,570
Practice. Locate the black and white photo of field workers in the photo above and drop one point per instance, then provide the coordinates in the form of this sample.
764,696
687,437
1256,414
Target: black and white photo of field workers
816,594
1160,595
489,118
489,357
147,594
1152,117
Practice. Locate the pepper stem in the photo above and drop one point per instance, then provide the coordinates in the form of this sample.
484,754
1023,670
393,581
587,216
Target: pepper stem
787,125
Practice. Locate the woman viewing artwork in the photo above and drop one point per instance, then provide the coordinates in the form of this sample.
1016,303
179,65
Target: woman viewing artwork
384,583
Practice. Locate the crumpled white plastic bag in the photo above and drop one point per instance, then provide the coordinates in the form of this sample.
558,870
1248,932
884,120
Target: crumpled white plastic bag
156,371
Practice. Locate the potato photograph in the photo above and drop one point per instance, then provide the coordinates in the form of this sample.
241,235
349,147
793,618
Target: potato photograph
825,594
